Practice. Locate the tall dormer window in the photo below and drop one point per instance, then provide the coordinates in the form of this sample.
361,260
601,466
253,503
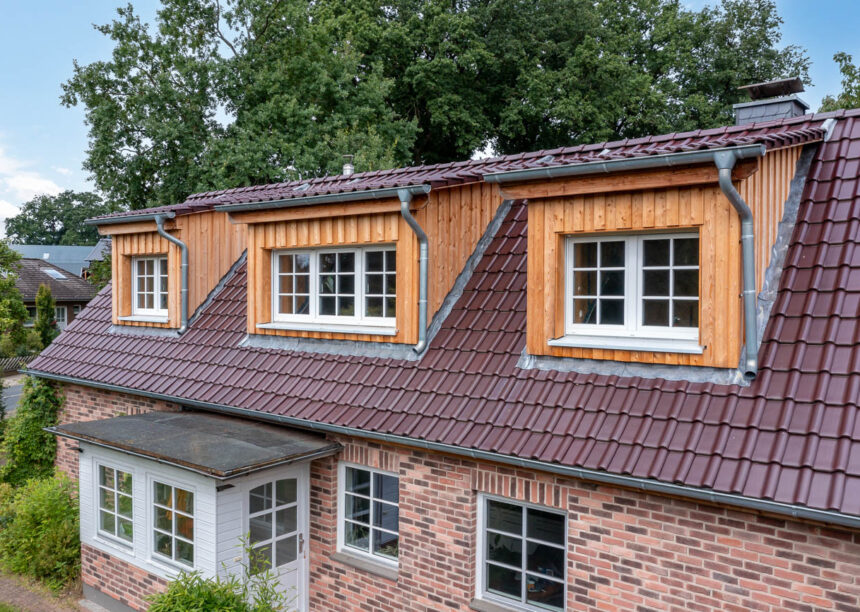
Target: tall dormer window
637,292
355,286
149,286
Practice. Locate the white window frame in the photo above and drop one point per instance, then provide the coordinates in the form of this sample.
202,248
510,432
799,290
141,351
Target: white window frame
341,515
96,479
632,335
154,555
61,323
313,320
481,540
156,266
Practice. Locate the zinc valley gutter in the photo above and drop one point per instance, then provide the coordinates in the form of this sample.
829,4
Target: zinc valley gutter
725,159
586,474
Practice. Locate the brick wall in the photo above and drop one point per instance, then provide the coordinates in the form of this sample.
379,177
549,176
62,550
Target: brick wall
86,404
627,550
118,579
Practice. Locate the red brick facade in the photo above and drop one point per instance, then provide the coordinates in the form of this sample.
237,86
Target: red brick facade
626,550
118,579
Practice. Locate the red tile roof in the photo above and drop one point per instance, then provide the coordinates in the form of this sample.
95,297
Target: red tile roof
772,134
792,436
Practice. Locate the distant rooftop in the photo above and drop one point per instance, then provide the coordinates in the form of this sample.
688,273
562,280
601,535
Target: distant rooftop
69,258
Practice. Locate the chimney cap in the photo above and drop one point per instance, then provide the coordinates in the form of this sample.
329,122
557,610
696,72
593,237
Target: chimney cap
773,89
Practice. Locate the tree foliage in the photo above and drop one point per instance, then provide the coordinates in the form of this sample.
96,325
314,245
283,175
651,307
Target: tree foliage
100,272
57,219
13,313
850,95
46,316
29,450
238,92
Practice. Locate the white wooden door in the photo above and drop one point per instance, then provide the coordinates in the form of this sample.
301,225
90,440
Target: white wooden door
276,511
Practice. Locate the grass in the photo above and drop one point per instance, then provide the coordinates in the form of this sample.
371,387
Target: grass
4,607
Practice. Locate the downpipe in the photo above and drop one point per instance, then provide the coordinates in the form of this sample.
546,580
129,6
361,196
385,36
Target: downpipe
405,196
725,162
183,249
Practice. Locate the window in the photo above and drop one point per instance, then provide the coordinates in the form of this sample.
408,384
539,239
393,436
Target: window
370,513
173,523
635,286
31,316
76,309
60,315
149,286
523,554
273,524
351,286
115,503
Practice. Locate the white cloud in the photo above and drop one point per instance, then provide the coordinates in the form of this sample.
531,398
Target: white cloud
7,210
19,182
63,171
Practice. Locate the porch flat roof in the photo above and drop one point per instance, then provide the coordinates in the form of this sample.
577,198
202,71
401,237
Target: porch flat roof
218,446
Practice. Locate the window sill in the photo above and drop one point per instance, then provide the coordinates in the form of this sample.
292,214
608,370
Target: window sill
482,605
144,319
377,568
627,343
373,330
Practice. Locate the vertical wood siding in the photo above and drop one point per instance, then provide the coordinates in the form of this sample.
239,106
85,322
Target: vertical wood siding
124,248
703,208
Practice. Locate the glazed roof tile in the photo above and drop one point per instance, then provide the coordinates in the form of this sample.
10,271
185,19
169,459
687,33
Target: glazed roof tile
792,435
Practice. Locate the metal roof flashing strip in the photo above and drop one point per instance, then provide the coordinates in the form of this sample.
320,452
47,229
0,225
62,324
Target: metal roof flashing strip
643,484
327,198
129,218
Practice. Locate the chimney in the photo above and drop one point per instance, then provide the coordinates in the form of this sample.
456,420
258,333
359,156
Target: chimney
348,168
771,100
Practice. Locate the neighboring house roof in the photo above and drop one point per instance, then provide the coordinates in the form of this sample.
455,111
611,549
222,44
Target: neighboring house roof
70,258
64,286
773,135
792,435
98,252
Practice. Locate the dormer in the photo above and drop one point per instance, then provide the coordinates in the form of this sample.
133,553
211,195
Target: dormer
641,260
147,262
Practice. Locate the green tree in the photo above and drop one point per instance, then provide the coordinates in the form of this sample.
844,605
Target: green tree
29,450
240,92
100,272
46,316
13,313
850,95
57,219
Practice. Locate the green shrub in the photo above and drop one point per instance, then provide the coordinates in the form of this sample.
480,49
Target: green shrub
250,592
46,316
40,532
30,451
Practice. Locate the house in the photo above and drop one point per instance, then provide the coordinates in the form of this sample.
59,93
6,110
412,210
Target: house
618,376
71,293
72,259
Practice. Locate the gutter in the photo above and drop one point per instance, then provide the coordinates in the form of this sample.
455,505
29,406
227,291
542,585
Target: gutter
590,475
183,248
129,218
725,159
326,198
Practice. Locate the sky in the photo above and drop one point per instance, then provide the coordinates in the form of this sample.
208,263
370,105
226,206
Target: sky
43,144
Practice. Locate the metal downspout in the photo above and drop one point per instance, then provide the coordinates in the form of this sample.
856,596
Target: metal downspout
183,248
405,196
725,162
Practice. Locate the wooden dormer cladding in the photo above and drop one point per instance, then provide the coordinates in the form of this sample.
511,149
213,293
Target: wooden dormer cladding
214,245
454,219
674,200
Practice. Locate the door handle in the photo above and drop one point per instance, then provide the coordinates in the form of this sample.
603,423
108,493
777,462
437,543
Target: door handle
301,543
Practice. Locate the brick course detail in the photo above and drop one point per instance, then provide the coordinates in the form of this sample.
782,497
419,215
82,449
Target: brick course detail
118,579
626,550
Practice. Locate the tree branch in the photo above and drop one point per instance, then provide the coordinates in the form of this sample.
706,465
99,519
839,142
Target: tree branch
223,38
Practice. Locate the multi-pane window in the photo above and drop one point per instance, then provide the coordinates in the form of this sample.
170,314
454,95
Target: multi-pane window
523,555
370,512
645,285
173,523
115,503
149,286
60,314
351,286
273,526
